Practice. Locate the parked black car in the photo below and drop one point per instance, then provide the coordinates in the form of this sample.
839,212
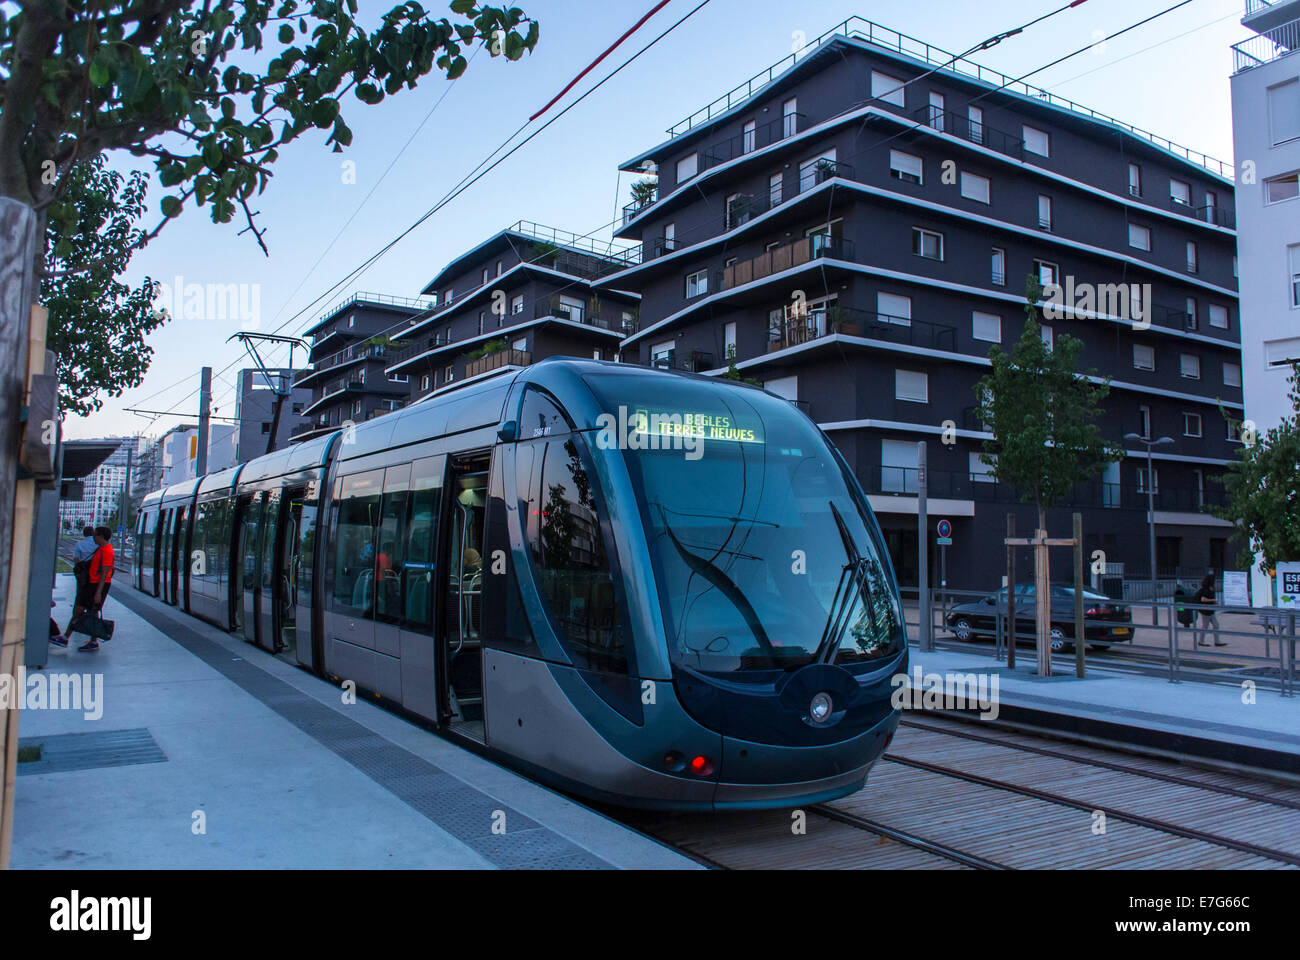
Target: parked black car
1104,620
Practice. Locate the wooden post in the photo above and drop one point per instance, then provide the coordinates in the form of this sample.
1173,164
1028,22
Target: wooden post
17,293
1010,592
1043,604
1078,596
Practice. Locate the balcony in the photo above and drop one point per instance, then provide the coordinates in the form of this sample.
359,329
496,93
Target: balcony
414,348
630,210
785,258
976,131
1273,44
820,322
1210,213
497,360
590,312
698,362
359,351
726,150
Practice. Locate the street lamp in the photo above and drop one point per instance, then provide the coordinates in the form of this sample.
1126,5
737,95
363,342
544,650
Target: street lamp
1151,513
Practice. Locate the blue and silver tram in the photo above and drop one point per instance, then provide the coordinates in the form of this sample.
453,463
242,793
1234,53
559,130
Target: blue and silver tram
649,588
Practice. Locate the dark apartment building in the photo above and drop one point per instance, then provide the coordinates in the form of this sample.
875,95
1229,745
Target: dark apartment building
255,410
350,348
519,297
858,243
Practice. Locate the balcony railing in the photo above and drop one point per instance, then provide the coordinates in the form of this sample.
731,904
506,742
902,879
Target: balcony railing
723,151
976,131
858,28
1209,213
416,347
1266,47
785,257
358,351
630,210
363,297
697,362
591,312
824,321
495,361
962,485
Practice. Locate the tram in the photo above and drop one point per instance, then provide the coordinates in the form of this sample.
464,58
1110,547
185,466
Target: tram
648,588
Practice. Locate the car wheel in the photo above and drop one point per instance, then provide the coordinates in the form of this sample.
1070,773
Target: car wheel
962,630
1060,642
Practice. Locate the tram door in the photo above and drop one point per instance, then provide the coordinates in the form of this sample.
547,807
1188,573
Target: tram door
264,598
178,561
161,550
462,544
285,574
250,572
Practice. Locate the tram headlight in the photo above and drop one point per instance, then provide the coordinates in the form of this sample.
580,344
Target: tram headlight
820,708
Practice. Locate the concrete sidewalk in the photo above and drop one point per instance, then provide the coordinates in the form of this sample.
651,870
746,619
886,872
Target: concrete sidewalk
260,764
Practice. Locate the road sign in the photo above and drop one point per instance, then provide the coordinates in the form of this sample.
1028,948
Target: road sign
943,541
945,530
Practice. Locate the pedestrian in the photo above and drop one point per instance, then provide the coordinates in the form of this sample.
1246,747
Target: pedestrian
56,638
99,578
1205,595
82,551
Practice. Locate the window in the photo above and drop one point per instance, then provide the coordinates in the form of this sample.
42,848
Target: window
421,549
748,136
485,276
936,111
1139,237
670,236
1284,111
697,283
1036,141
1189,366
1048,336
498,268
1211,207
481,317
1180,193
391,545
661,354
1044,212
729,338
998,264
790,118
1218,316
448,296
517,304
352,321
1191,424
887,88
425,382
1134,180
986,327
1233,430
911,385
356,408
975,124
975,187
1282,188
1144,357
905,166
1048,273
521,344
927,243
575,574
816,170
448,374
266,427
736,211
356,512
1142,480
893,308
1293,264
1137,308
980,472
787,387
1189,310
774,183
1193,261
687,167
1232,375
1144,419
400,377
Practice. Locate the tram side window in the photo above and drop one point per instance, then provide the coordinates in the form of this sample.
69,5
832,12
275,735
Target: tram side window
504,624
417,573
540,417
266,548
217,545
390,558
569,555
307,549
251,535
356,513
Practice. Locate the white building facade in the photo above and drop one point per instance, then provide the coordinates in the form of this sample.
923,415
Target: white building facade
102,492
1266,140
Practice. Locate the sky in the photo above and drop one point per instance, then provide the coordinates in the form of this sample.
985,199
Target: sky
323,217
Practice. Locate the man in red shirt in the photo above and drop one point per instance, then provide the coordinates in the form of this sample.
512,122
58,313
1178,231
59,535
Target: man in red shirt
98,579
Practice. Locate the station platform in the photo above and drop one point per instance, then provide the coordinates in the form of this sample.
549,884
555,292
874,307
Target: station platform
212,754
1214,723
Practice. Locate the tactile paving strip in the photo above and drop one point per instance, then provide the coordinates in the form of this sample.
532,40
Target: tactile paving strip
87,751
464,811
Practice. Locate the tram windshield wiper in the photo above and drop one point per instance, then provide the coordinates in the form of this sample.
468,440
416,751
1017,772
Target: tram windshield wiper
711,572
852,587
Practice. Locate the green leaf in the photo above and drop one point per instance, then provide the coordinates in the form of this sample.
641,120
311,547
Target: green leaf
324,112
286,33
98,74
171,206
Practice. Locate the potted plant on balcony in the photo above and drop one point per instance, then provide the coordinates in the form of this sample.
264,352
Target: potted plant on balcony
734,374
644,191
838,319
544,253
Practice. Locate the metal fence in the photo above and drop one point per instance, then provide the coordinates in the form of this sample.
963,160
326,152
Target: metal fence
1239,644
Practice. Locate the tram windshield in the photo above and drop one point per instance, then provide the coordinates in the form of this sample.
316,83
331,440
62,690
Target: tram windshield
765,559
